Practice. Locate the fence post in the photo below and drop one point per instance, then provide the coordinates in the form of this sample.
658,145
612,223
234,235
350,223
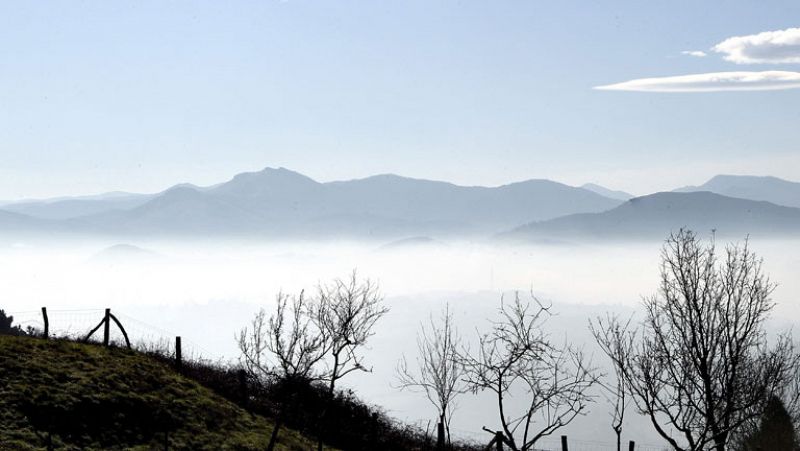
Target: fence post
631,445
564,446
106,326
499,438
46,323
178,353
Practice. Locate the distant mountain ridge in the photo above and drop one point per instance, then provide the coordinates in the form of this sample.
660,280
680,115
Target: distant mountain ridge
280,203
658,214
283,203
66,208
767,188
603,191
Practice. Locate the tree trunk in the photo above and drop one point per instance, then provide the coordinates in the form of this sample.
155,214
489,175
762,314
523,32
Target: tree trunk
328,402
273,439
440,443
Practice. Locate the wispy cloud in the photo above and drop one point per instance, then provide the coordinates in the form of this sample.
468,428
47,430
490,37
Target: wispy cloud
710,82
695,53
781,46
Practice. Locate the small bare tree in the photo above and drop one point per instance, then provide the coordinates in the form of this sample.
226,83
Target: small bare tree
346,312
701,367
518,357
439,370
285,347
615,341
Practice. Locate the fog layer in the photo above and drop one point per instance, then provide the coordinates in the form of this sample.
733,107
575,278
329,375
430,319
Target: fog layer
207,292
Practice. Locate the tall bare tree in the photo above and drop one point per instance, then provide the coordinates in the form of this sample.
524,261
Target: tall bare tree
517,358
615,341
701,366
439,371
286,347
346,312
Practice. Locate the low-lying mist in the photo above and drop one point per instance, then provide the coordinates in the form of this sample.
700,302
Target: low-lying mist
207,291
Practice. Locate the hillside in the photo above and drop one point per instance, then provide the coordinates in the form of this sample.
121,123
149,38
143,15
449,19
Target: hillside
92,398
658,214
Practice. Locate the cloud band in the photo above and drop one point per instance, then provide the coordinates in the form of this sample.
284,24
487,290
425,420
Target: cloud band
711,82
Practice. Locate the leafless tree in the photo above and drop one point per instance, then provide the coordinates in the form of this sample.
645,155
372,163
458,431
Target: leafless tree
287,346
701,366
439,370
615,341
518,358
346,312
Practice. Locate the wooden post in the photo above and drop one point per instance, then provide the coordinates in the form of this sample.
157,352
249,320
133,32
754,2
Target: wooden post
46,323
178,353
121,329
564,446
106,327
499,439
631,445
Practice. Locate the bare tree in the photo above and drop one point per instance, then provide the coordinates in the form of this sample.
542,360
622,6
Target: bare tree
346,312
615,341
517,357
439,370
287,347
701,366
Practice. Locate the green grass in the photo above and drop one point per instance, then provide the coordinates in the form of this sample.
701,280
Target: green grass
88,397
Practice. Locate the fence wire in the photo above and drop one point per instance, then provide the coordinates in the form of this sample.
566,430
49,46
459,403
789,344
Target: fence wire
76,325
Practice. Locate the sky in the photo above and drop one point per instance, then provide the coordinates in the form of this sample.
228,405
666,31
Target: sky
137,96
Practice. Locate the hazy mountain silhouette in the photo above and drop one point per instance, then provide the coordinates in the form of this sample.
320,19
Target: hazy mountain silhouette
770,189
16,222
603,191
65,208
285,203
658,214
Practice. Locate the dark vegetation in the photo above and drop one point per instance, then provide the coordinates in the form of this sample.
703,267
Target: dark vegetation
351,423
775,430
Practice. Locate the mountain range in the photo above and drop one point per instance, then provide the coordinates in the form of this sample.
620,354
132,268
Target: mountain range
280,203
656,215
770,189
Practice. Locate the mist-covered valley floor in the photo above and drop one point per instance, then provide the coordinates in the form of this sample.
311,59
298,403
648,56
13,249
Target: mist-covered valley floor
206,292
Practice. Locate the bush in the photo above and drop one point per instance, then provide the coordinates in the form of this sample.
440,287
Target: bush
7,327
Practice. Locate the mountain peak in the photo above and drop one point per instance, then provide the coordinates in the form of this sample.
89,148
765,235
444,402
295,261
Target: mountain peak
603,191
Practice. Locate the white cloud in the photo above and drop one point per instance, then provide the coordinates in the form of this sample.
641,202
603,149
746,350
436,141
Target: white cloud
716,81
781,46
697,53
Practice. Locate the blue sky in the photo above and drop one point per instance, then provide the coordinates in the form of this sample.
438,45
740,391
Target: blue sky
100,96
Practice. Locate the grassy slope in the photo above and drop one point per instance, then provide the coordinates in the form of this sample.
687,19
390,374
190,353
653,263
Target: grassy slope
90,397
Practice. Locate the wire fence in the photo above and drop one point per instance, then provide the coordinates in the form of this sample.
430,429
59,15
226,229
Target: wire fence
76,325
